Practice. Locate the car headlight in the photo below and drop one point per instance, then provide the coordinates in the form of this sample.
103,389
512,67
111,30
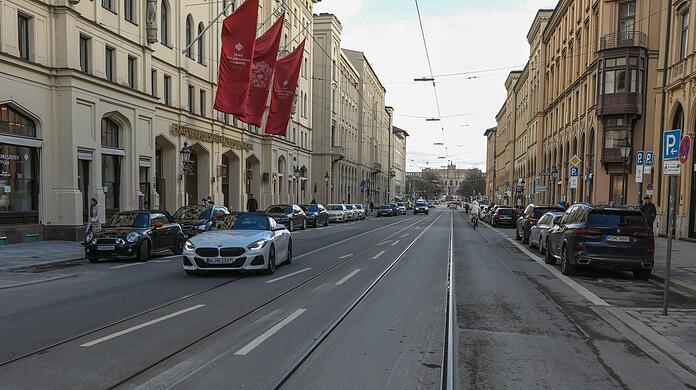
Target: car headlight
189,245
93,241
132,237
256,245
90,237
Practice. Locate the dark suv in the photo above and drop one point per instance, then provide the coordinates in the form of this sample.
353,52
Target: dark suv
529,218
504,216
602,237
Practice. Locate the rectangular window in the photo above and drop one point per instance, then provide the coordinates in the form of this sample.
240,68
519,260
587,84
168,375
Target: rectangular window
191,99
153,82
23,42
620,81
108,4
202,102
634,79
627,16
132,80
684,40
84,53
168,90
109,58
129,10
111,182
609,81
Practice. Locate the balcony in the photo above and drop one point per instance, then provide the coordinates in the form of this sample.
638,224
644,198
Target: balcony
338,152
630,103
612,155
623,40
376,167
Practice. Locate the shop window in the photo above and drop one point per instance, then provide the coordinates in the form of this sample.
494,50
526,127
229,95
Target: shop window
18,180
109,133
12,122
111,182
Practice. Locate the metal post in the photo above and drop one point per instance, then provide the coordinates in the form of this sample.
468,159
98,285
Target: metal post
671,224
665,65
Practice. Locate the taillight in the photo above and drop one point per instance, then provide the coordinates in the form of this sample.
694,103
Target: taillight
497,216
103,225
588,232
580,246
531,221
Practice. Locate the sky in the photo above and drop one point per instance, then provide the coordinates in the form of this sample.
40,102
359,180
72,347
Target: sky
462,36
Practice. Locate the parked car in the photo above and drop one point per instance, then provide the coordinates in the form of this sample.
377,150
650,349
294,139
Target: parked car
529,218
386,211
350,212
360,210
400,208
291,215
504,216
337,213
602,237
195,219
316,215
252,242
135,235
421,208
538,233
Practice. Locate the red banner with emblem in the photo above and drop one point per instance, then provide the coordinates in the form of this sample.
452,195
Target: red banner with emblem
287,74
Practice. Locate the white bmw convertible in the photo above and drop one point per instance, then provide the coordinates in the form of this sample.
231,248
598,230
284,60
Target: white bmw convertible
249,242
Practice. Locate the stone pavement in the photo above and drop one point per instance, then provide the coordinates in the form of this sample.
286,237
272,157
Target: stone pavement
679,326
40,253
683,262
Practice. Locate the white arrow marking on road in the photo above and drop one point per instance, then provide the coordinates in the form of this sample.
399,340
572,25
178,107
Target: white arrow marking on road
346,256
134,328
288,275
350,275
257,341
396,242
375,257
127,265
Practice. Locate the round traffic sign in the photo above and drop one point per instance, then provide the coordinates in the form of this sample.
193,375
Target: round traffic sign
684,148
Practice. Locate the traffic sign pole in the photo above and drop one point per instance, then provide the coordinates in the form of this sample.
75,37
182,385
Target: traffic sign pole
670,154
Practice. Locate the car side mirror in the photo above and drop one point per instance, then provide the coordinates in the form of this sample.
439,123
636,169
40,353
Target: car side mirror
158,225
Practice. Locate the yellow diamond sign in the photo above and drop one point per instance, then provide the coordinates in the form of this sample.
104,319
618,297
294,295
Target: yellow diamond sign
575,161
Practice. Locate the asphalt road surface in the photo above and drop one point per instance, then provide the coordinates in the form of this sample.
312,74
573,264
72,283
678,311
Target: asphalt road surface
363,305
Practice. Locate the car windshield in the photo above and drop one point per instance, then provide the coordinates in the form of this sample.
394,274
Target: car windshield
615,218
225,222
421,204
540,211
140,220
192,212
335,207
400,204
312,208
279,210
349,207
252,222
504,211
358,206
386,207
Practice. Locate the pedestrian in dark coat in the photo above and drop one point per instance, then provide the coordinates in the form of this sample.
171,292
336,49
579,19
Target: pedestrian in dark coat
252,204
649,211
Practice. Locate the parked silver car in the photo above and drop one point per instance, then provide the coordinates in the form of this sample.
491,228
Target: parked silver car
538,232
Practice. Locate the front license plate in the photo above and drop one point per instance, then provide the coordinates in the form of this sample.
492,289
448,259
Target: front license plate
618,239
221,260
105,247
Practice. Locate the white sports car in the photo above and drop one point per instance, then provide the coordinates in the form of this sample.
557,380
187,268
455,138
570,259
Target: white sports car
250,242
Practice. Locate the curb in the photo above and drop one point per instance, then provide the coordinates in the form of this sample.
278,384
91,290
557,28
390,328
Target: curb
679,284
38,266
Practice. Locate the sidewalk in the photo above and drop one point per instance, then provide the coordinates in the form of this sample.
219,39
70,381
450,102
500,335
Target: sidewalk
683,262
37,254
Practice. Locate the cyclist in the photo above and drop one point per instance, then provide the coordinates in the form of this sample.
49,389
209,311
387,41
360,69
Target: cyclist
475,212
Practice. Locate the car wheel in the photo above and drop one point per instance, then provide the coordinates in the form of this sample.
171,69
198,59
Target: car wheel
549,259
304,224
525,238
92,259
178,247
517,234
326,223
270,266
288,258
566,268
532,245
144,251
541,247
642,274
292,225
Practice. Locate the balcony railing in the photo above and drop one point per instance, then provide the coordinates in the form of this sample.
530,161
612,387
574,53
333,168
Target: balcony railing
623,39
620,104
338,151
612,155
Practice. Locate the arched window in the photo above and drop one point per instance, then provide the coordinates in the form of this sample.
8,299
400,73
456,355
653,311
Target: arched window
164,23
111,166
13,122
189,36
201,44
678,122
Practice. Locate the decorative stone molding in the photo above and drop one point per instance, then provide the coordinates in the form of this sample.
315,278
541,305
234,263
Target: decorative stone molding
151,21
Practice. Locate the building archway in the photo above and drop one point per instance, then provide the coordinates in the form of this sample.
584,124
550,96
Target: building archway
198,179
165,173
231,182
252,178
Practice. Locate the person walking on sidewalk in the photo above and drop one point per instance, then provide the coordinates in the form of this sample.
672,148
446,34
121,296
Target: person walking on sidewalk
649,211
93,223
252,204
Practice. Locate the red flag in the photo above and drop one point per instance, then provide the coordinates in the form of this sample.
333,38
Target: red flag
285,79
238,38
265,57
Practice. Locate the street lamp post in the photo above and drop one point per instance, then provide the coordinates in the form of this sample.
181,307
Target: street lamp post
326,181
625,155
297,184
185,153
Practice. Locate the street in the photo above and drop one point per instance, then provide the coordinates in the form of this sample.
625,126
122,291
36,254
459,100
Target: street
363,305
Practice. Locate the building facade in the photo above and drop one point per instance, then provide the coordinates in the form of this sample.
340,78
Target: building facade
398,150
100,97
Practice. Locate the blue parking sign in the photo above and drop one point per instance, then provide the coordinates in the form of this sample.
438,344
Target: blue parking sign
670,142
574,171
649,159
640,158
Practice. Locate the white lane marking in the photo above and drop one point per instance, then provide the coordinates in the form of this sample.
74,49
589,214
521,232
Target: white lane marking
350,275
257,341
136,327
570,282
127,265
396,242
405,235
162,261
375,257
288,275
385,242
346,256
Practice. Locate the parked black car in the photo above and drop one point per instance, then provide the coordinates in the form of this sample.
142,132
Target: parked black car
316,215
195,219
290,215
386,211
602,237
504,216
529,218
136,235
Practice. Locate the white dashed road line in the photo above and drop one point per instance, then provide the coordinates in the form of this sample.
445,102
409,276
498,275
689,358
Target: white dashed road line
257,341
375,257
136,327
350,275
127,265
395,242
346,256
288,275
405,235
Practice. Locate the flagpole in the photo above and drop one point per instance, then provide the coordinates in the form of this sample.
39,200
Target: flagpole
199,36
